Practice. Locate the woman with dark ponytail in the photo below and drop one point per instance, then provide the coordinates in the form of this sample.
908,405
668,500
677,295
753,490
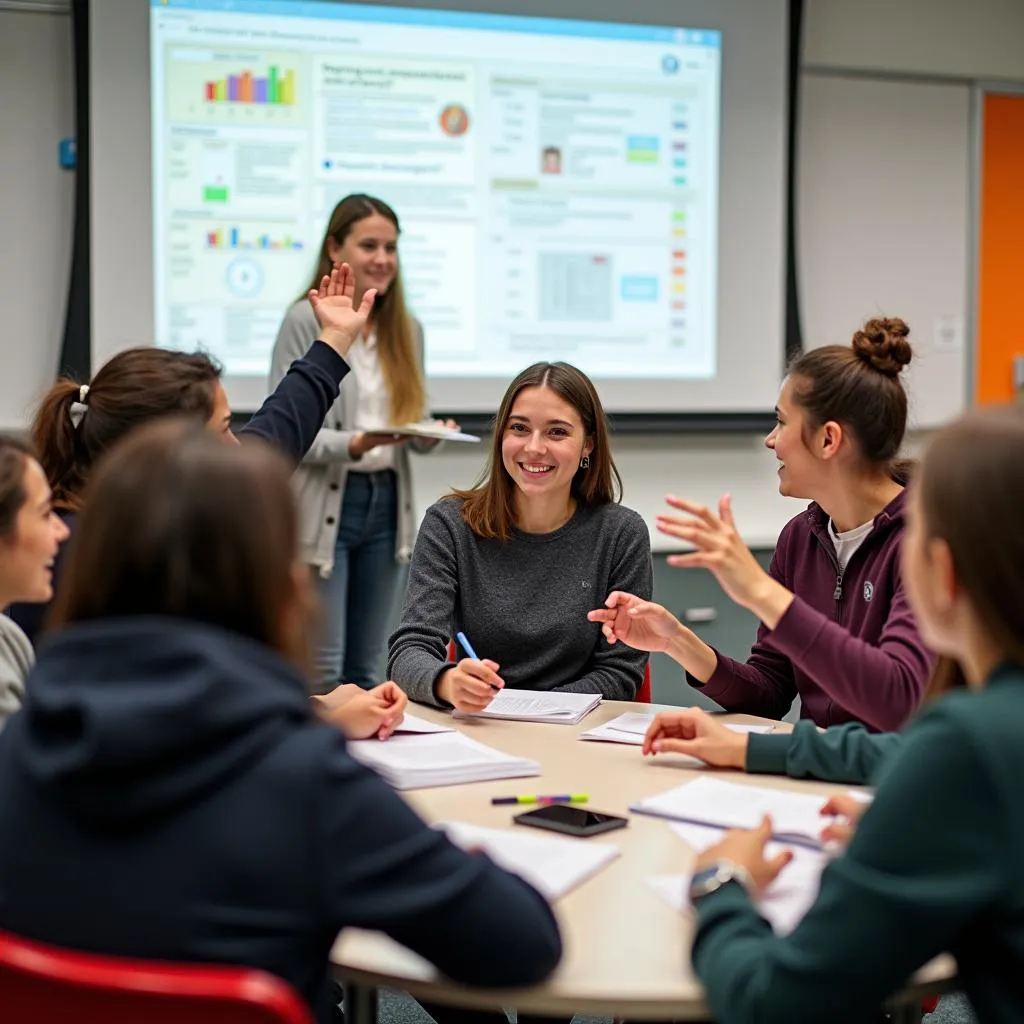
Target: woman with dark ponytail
76,424
836,627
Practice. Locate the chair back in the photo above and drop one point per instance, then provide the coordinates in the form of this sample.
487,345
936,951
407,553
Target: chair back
41,984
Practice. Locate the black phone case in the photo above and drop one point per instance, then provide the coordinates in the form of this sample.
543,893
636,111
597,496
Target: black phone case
570,830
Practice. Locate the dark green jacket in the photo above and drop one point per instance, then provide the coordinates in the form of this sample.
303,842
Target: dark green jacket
843,753
936,865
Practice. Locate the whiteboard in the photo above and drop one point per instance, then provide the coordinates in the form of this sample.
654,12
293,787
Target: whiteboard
883,223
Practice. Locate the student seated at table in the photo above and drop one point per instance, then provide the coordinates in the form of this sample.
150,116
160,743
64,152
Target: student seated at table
76,423
166,790
30,533
934,863
516,561
836,628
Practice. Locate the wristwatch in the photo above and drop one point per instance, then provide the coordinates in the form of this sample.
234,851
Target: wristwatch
713,877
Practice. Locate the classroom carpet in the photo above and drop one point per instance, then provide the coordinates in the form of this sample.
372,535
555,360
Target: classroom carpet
398,1008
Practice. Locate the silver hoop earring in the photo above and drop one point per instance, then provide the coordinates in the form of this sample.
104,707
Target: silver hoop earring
585,462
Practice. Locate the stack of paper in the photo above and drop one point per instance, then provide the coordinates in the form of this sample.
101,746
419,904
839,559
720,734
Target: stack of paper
632,726
438,759
796,817
783,904
552,866
412,724
537,706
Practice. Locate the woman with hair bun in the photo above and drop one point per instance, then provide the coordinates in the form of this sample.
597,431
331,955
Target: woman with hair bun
836,628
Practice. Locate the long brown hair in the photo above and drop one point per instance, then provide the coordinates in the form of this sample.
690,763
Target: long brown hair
858,386
970,487
399,359
74,426
489,506
178,524
14,456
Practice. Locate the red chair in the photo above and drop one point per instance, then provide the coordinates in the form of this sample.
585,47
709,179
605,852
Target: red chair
643,695
45,985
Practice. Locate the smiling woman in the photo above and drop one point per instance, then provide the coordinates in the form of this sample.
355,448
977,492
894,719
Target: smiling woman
517,561
30,534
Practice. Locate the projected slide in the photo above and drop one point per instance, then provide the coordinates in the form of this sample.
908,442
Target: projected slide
557,181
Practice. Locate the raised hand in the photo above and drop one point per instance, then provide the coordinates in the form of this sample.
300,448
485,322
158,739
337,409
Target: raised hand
334,307
640,624
695,733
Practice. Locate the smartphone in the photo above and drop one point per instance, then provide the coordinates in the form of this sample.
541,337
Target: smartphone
573,821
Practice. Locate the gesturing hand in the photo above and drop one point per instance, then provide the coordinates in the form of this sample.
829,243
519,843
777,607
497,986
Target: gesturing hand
642,625
720,549
695,733
340,322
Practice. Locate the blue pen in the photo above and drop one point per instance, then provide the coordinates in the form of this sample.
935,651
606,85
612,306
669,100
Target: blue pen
468,648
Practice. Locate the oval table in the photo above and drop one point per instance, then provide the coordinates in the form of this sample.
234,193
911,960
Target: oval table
626,949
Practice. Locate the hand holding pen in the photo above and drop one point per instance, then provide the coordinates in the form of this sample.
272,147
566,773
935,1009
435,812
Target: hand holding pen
472,683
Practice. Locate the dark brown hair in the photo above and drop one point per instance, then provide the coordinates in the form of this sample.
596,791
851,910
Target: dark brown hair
14,455
970,487
178,524
858,386
135,387
399,359
489,506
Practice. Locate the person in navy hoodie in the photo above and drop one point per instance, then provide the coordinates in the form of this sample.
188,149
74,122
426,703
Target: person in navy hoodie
166,791
76,423
836,628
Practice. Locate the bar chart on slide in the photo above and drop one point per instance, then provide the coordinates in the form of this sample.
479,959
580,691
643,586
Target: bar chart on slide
262,89
276,86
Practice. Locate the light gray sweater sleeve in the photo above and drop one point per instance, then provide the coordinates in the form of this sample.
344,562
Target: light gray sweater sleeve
16,661
297,332
617,671
418,649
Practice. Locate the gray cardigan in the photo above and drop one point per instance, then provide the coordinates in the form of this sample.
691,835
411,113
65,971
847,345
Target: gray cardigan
320,478
16,661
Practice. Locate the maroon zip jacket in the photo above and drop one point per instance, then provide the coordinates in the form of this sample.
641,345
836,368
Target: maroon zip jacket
848,644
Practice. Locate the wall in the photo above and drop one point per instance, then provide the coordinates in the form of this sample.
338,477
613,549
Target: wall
928,42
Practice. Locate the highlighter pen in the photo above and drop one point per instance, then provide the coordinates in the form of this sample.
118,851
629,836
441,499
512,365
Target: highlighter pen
468,648
567,798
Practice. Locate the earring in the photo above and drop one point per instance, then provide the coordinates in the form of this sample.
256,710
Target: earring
585,462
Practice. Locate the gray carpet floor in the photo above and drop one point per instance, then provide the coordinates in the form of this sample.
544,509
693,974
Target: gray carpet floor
398,1008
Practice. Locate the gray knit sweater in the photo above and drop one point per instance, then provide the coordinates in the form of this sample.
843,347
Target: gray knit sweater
523,603
16,661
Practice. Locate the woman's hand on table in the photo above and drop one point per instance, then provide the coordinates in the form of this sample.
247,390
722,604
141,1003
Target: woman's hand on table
745,848
845,809
364,713
695,733
470,685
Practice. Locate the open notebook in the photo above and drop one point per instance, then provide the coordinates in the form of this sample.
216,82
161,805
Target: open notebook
438,759
796,817
552,866
632,726
537,706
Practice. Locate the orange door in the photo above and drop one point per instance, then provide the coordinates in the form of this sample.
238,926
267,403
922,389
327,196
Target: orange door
1000,328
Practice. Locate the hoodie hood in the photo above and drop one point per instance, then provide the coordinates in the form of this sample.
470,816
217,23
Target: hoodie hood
127,719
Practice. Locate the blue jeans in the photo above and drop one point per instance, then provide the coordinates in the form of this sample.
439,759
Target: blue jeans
357,601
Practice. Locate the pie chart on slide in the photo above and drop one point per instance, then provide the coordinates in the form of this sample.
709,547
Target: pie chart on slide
244,278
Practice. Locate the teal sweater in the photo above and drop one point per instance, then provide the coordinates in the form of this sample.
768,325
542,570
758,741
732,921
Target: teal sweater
936,865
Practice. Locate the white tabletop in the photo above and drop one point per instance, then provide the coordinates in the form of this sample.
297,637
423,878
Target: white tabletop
626,950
